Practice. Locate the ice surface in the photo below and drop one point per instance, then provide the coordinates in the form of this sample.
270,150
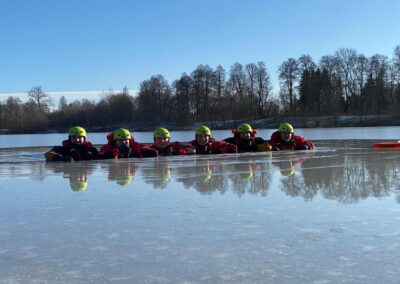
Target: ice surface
326,216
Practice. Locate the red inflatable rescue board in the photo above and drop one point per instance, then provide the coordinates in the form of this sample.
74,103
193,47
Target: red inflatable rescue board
391,144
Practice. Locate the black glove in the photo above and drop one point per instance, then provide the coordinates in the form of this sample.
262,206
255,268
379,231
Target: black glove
150,153
67,158
124,149
301,147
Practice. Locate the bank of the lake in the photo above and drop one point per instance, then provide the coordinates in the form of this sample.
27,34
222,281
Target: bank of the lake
270,123
273,123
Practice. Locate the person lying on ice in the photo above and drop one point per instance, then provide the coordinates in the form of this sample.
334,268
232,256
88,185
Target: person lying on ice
245,140
121,144
76,148
164,147
285,139
205,144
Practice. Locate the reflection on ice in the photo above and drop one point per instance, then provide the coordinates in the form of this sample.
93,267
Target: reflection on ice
345,171
248,218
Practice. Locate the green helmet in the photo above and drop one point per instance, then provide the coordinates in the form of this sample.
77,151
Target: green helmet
287,169
203,130
247,175
77,131
122,134
286,127
244,127
78,186
287,172
161,133
124,180
166,176
207,176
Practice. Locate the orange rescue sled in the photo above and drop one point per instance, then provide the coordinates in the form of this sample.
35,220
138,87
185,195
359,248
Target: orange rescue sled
391,144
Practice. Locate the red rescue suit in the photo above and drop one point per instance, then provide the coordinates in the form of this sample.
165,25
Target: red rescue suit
69,152
214,147
174,148
251,145
295,142
137,150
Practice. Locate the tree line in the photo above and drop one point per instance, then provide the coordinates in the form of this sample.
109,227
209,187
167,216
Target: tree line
345,83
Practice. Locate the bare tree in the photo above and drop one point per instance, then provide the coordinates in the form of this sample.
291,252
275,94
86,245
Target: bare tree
288,75
346,59
154,99
396,58
40,99
12,113
237,81
203,78
183,88
306,63
263,87
378,76
219,88
62,104
251,77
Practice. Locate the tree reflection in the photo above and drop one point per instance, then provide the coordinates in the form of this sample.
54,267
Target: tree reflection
203,175
292,182
235,172
158,174
250,177
347,174
347,178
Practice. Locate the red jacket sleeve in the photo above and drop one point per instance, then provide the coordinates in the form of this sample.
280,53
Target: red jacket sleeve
300,141
223,147
109,149
182,149
141,151
275,139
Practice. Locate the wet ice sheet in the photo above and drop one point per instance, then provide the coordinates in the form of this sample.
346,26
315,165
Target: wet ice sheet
327,216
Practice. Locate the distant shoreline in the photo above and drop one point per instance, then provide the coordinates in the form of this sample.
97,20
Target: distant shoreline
297,122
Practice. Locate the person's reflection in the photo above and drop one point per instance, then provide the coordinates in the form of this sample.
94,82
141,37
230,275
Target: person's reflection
159,174
122,172
77,175
78,184
198,175
287,164
292,182
165,178
248,176
286,168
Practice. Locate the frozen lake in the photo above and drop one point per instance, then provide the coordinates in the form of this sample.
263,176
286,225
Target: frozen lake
326,216
33,140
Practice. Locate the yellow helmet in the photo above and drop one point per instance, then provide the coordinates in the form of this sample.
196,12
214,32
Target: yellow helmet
286,127
78,186
287,168
122,134
207,176
203,130
161,133
247,175
287,172
124,180
244,127
165,177
77,131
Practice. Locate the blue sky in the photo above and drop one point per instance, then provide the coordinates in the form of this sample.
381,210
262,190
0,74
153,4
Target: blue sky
73,46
